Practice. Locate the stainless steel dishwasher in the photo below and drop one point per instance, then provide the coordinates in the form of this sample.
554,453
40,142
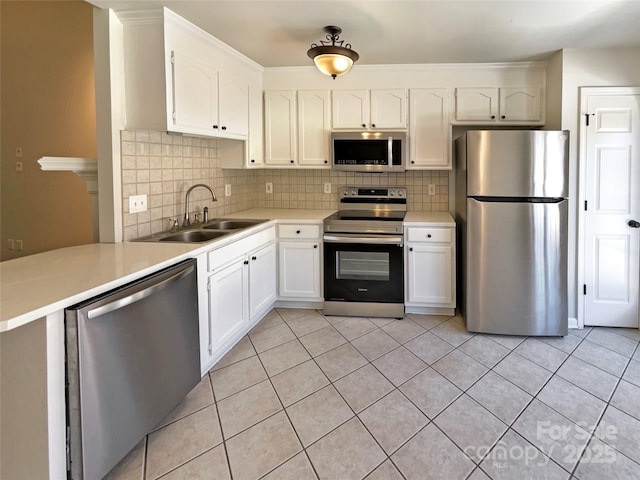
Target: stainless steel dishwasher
132,356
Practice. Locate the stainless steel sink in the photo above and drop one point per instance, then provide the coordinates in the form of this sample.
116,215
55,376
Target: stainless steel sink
231,224
193,236
202,232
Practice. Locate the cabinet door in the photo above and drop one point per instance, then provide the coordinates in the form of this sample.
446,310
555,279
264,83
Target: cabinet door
389,108
520,105
430,277
476,104
350,109
429,128
280,127
233,106
228,293
299,269
195,95
314,127
262,280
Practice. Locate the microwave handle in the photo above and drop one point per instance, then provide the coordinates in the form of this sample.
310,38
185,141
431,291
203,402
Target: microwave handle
390,151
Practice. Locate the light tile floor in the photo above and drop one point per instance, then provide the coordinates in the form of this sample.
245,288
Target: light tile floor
307,396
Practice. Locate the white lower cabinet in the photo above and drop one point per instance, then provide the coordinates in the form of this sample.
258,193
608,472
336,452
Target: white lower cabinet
237,287
430,270
299,257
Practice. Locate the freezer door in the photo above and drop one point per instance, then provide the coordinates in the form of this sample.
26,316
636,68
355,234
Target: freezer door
516,278
517,163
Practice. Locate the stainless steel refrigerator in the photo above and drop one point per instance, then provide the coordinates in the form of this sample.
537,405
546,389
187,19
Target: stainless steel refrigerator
511,214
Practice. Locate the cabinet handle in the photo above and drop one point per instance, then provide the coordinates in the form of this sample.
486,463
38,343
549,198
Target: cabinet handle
373,125
326,161
224,128
493,117
364,125
413,161
215,127
253,161
246,262
254,258
503,117
428,235
291,161
298,232
315,246
411,249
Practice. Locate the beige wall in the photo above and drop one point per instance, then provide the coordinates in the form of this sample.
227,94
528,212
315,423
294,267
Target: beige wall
164,166
48,109
588,68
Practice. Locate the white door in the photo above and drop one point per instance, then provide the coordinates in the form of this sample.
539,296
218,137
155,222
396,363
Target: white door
299,269
429,277
233,106
612,195
429,128
350,109
389,108
314,127
228,298
262,280
280,127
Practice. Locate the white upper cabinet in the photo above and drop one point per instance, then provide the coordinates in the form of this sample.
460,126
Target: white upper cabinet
369,109
314,127
297,128
499,105
429,129
233,105
280,128
388,109
180,79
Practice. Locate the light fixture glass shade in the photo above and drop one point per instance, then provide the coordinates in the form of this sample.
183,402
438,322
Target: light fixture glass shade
331,57
333,64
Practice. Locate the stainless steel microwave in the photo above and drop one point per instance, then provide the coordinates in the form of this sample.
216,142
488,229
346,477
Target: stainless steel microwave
369,151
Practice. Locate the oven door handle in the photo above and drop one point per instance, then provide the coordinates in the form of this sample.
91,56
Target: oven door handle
367,240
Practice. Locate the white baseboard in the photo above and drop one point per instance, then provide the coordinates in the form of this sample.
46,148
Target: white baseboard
573,323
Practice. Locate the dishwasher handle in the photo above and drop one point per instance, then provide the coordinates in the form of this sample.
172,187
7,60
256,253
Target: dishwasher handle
137,296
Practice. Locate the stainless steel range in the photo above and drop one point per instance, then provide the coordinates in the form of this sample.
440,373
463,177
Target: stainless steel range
363,253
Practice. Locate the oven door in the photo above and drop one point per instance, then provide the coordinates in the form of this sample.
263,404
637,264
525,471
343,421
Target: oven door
363,268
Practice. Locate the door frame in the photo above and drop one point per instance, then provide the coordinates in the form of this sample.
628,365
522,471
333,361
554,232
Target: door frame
585,93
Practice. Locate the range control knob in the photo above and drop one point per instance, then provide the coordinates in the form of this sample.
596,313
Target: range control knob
346,192
401,193
354,192
392,193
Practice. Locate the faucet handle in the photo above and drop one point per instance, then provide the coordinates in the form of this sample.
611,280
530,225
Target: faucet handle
173,223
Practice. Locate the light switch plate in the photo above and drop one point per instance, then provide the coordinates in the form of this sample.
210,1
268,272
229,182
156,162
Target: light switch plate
227,189
137,203
269,187
431,189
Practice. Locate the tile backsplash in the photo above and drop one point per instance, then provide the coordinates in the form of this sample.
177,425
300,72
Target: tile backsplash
164,166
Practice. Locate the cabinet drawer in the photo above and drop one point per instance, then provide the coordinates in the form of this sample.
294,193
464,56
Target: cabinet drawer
299,231
432,235
223,256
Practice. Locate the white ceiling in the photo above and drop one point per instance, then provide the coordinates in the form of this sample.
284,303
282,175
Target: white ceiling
279,32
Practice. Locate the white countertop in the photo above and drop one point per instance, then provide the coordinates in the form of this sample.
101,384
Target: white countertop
431,219
34,286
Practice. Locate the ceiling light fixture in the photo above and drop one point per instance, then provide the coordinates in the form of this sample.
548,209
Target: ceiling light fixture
331,57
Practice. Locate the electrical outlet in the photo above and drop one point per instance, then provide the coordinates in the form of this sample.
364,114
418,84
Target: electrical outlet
19,246
11,244
327,187
431,189
269,187
18,166
137,203
227,189
19,152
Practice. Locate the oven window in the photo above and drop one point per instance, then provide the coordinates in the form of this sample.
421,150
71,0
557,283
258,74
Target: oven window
362,265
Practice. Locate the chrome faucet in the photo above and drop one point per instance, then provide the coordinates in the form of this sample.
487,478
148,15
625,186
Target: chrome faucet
186,222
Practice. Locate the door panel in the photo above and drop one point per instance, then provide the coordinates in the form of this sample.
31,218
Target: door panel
612,194
517,268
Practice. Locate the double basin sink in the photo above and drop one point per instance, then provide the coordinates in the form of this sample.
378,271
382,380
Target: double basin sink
202,232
